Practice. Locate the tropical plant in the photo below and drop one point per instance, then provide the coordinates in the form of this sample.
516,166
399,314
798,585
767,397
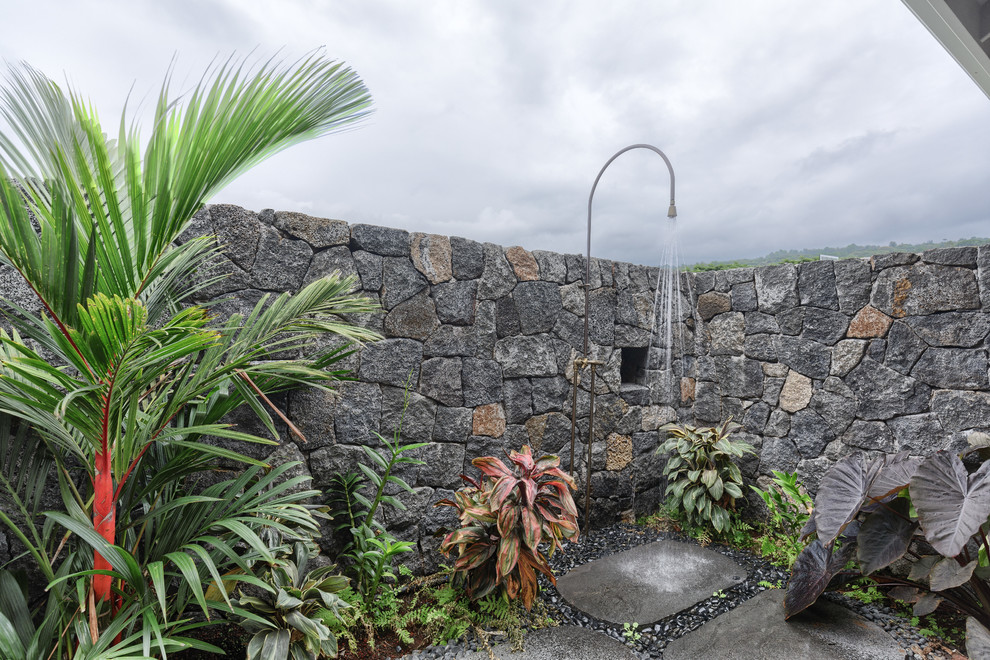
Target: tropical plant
371,548
876,511
702,479
287,618
504,517
116,379
788,507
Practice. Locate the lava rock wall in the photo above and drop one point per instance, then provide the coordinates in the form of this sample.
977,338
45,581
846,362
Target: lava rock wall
816,360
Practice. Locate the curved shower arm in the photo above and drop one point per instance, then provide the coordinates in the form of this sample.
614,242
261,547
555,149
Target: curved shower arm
671,213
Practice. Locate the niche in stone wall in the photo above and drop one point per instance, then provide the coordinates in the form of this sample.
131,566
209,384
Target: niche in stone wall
633,368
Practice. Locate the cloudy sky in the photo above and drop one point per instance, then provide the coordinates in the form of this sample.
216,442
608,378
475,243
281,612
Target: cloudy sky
789,124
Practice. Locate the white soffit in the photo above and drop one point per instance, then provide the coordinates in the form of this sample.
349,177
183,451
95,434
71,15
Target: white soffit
963,28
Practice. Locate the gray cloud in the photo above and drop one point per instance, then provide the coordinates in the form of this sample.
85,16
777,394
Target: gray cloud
789,124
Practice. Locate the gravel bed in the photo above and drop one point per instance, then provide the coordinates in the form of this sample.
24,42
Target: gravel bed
655,637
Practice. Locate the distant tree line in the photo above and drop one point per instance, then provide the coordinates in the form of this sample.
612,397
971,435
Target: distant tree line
850,251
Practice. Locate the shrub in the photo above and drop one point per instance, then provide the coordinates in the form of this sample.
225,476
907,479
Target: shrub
702,480
504,517
873,511
789,508
287,617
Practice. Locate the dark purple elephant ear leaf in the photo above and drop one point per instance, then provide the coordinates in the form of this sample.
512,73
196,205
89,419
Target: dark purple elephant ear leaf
977,639
895,475
948,574
812,571
885,536
840,495
951,504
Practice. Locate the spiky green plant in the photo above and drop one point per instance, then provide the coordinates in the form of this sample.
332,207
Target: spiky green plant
113,370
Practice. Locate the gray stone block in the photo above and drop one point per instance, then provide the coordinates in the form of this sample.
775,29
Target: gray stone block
759,323
804,356
467,258
904,348
601,316
552,266
385,241
538,305
953,368
326,462
518,396
451,341
415,318
312,411
358,414
739,377
369,267
824,326
400,281
852,284
958,411
961,329
506,318
409,414
497,279
335,259
925,289
816,285
756,417
238,232
760,347
772,386
280,263
570,329
452,425
810,433
318,232
778,425
482,382
846,354
442,466
778,454
919,434
455,301
776,288
550,394
871,436
744,297
791,321
837,409
983,274
440,379
707,403
884,393
893,259
965,256
391,361
728,334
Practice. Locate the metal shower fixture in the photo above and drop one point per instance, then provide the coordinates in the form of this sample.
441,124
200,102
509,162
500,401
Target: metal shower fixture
586,361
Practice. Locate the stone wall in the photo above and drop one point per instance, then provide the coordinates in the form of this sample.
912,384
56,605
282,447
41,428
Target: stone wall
816,360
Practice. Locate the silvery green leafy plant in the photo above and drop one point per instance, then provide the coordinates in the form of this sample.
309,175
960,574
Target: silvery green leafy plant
703,481
873,512
288,615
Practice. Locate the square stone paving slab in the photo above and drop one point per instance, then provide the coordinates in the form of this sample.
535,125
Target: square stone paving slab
649,582
756,630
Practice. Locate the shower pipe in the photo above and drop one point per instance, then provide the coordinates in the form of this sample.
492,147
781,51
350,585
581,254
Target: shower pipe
585,361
